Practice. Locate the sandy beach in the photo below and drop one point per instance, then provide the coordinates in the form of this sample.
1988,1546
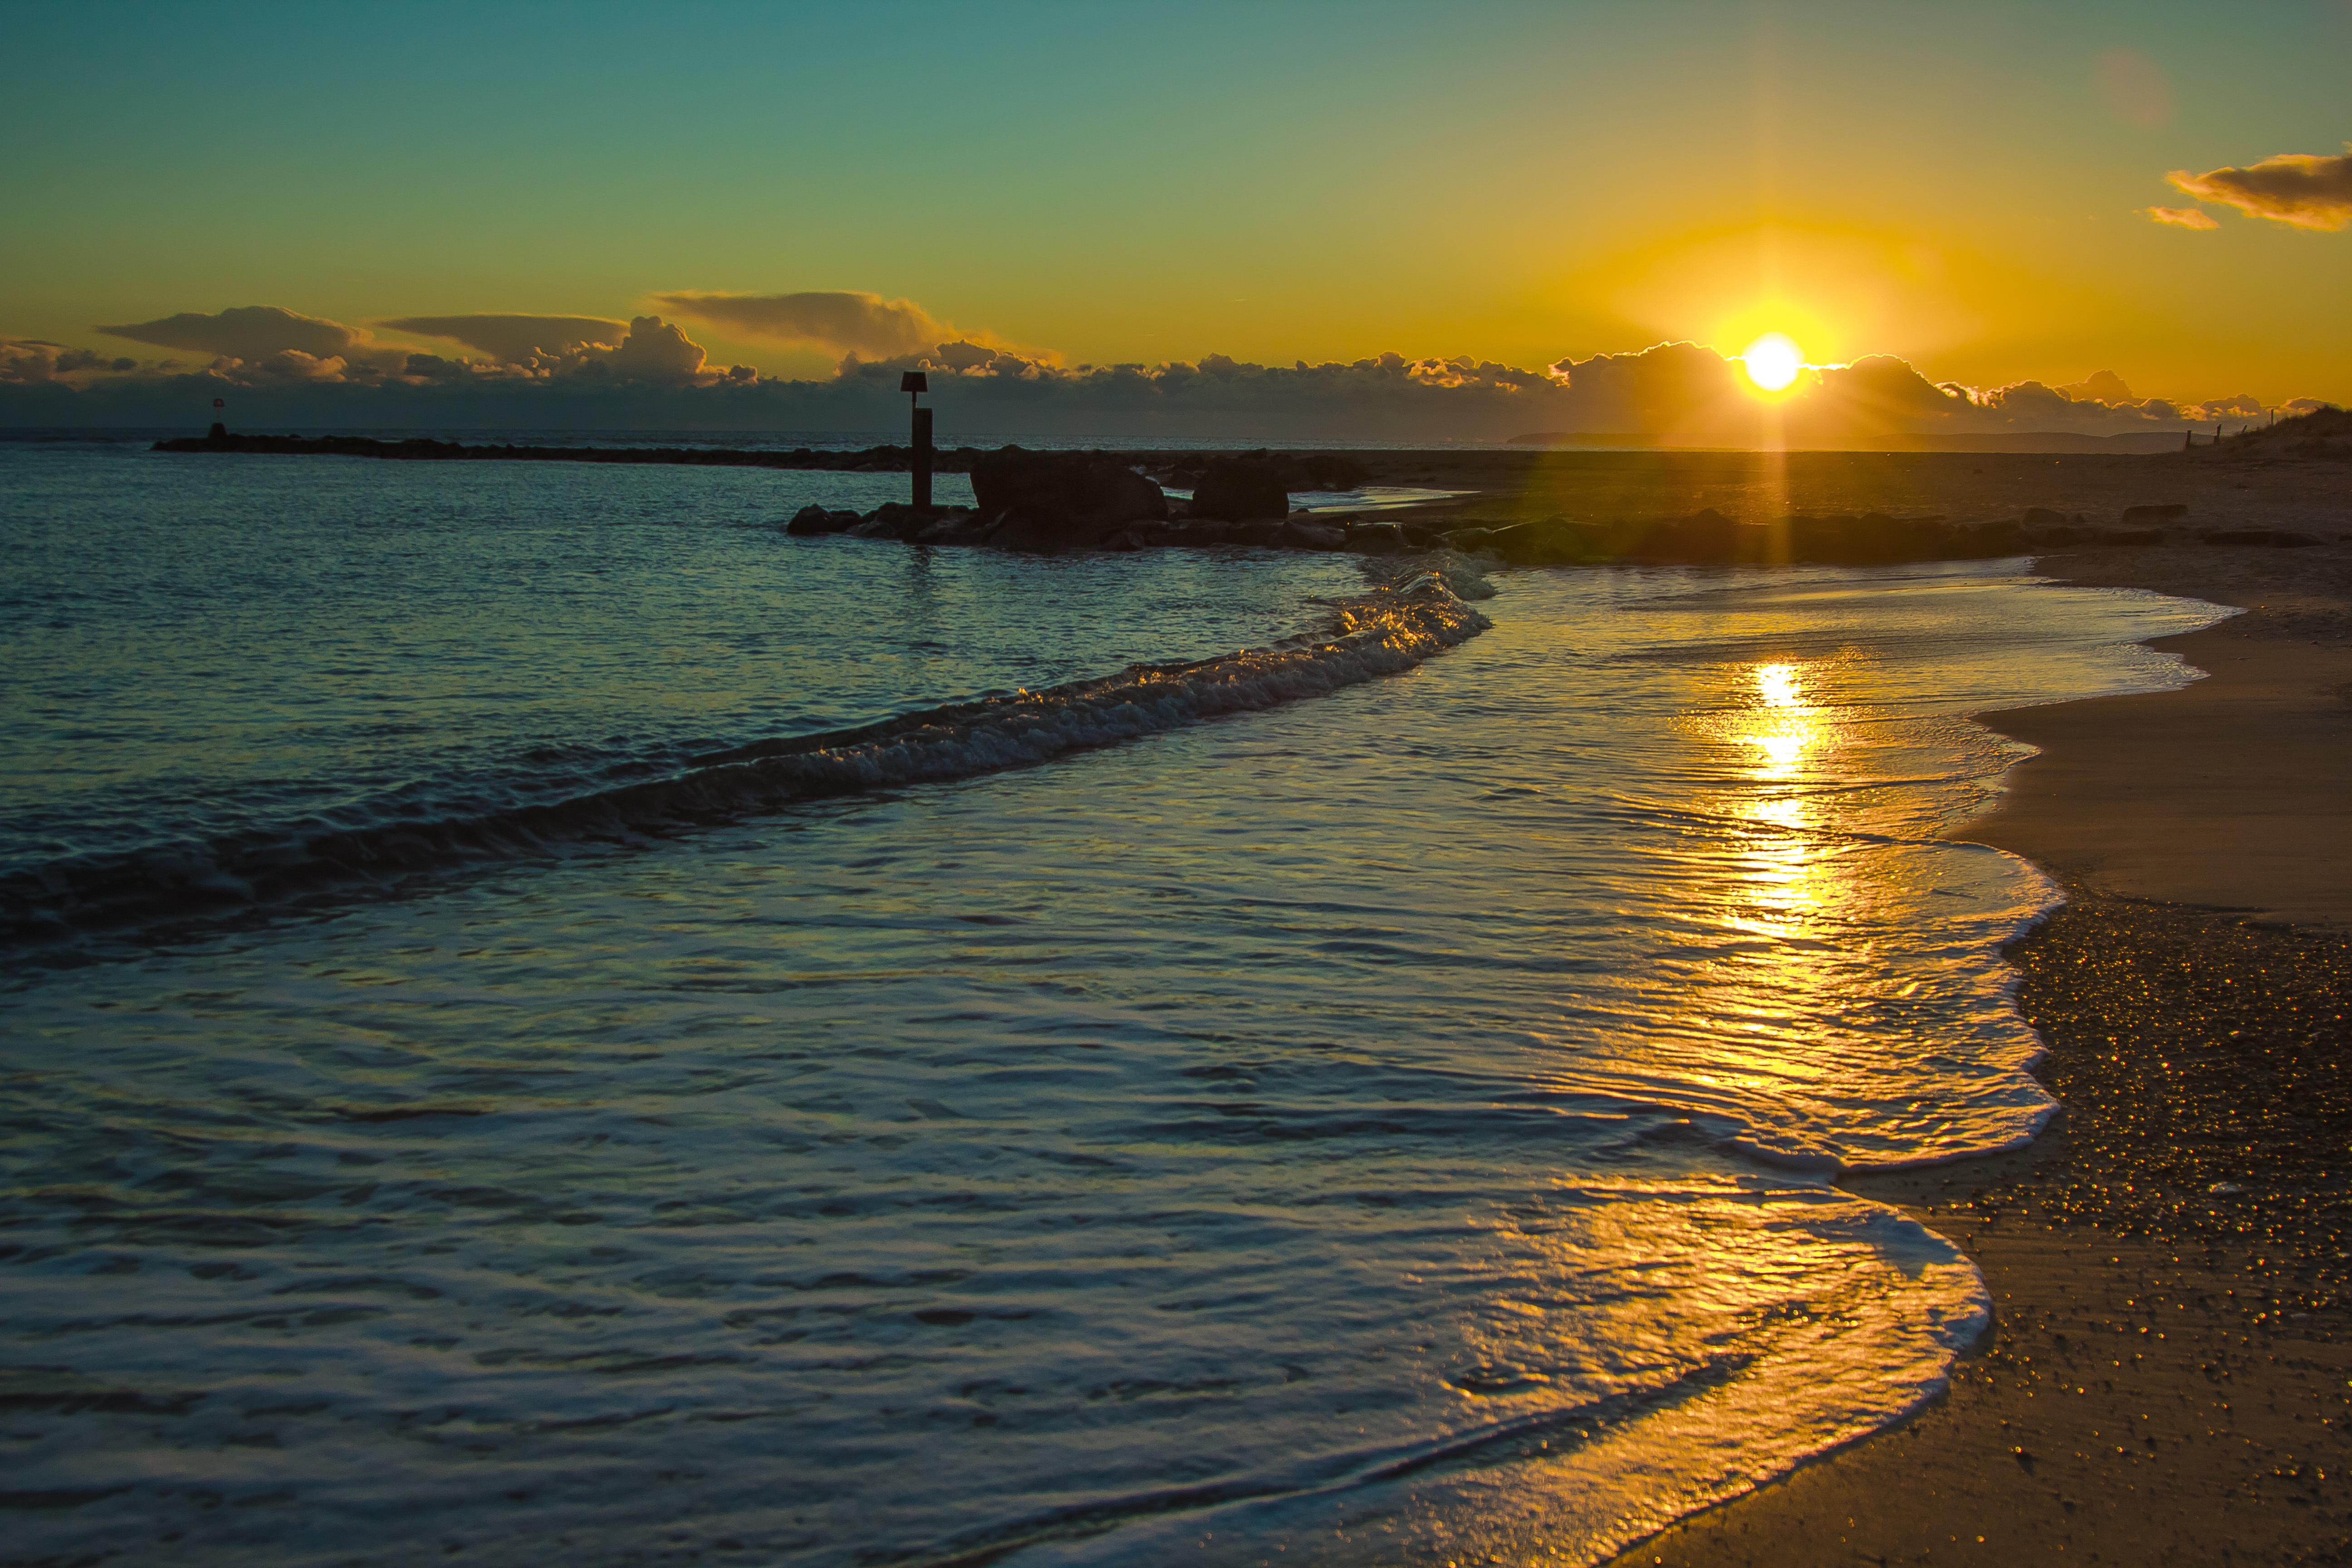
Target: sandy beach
2169,1375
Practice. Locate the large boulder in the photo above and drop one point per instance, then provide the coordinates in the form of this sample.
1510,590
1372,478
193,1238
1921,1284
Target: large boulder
1239,490
1053,499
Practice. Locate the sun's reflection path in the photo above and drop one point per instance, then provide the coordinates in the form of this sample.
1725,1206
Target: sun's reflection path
1784,730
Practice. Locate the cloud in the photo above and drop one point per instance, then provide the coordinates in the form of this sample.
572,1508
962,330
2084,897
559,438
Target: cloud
655,351
2100,386
27,362
517,339
644,349
2183,218
2303,189
259,346
848,323
252,333
656,378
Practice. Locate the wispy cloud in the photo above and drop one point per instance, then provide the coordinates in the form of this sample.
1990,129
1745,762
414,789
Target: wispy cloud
2183,218
864,325
2304,189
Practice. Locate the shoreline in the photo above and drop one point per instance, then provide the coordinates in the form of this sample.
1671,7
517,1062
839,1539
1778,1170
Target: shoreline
2169,1374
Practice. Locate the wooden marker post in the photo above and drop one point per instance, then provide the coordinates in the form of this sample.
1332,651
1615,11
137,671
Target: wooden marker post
914,382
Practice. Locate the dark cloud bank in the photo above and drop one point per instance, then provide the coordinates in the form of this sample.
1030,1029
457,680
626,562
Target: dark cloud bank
278,369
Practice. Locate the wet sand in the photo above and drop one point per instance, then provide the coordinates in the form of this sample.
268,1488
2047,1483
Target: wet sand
2169,1375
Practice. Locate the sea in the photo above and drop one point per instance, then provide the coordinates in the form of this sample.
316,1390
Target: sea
542,1019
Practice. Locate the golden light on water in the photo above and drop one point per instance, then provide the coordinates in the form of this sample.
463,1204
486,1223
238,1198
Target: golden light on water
1787,731
1773,360
1786,863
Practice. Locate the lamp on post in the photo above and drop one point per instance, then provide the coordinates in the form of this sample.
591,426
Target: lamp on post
914,384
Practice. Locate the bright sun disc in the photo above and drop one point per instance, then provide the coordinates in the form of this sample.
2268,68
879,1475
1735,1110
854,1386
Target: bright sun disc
1773,360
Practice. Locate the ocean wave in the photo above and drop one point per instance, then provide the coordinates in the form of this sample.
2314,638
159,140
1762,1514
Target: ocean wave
396,838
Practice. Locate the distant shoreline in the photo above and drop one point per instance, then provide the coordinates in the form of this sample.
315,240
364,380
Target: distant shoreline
2131,441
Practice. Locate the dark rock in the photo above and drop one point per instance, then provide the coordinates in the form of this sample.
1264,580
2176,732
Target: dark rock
1703,536
1303,533
813,519
1988,541
1376,538
2146,514
2042,517
1261,533
895,519
1189,534
2132,536
1555,541
1017,530
1059,499
1237,490
2276,538
1322,471
956,525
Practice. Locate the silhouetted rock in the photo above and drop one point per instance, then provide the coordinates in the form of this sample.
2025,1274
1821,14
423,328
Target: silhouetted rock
955,525
814,520
896,519
2146,514
1239,489
1304,534
1376,538
1051,500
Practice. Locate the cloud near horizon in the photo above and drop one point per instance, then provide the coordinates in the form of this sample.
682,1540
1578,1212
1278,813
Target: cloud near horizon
2182,217
518,339
589,372
2302,189
865,325
252,345
275,341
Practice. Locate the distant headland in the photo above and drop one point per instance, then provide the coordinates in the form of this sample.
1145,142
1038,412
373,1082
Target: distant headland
1541,507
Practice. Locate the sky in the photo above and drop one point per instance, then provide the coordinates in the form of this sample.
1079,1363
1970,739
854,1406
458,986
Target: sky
1979,190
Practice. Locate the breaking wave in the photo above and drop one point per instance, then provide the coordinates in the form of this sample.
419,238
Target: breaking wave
392,839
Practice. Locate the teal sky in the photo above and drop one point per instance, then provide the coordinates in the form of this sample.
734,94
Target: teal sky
1958,183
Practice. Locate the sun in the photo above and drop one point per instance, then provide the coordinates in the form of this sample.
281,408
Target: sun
1773,360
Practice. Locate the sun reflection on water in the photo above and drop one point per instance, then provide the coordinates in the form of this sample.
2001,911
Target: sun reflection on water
1785,727
1784,731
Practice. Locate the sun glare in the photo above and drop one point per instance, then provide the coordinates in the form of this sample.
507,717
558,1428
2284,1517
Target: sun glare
1773,360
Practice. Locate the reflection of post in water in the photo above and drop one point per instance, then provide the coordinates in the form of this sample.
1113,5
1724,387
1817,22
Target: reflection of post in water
914,384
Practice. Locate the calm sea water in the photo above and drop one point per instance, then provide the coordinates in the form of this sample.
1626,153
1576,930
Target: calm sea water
545,1017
